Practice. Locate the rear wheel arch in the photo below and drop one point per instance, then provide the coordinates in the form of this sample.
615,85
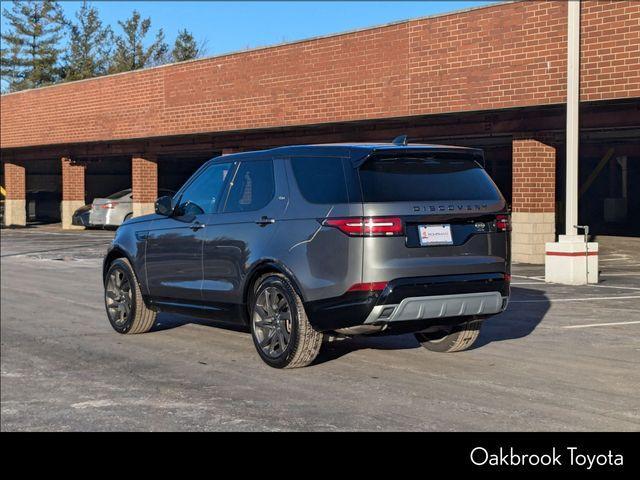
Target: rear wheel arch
263,269
282,334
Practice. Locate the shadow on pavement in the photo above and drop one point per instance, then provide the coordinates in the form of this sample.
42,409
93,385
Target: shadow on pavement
168,321
518,321
334,350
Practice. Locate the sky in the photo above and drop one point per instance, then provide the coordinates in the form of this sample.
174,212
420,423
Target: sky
239,25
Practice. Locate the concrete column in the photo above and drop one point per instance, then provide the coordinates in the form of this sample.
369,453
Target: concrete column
573,109
573,260
144,184
72,191
15,205
534,197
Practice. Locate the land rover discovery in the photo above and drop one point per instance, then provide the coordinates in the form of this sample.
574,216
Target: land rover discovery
302,243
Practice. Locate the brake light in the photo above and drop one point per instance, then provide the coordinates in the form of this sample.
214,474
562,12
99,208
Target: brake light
368,287
109,205
366,226
507,277
503,223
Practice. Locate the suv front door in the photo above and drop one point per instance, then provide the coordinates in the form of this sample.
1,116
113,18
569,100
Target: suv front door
174,244
240,233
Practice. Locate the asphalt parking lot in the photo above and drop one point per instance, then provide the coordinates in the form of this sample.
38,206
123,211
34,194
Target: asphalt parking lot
560,358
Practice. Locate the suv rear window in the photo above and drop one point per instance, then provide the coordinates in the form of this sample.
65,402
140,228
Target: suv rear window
253,187
429,177
320,179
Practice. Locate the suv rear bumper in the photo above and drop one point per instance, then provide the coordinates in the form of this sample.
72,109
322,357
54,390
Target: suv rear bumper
439,306
414,299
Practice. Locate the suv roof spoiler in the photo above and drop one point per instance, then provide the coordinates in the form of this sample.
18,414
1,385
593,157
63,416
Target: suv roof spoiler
359,160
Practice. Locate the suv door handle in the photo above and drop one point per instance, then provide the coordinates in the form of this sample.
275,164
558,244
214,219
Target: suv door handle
197,226
266,221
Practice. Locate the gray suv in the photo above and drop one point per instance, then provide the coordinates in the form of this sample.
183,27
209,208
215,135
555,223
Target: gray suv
303,243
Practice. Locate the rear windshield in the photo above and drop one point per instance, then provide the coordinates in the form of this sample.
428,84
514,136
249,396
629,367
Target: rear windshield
434,177
119,194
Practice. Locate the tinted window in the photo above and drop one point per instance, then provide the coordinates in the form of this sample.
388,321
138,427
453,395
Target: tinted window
203,194
427,178
253,187
321,180
119,194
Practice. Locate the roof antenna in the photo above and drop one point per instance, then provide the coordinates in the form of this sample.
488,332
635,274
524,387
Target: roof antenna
401,141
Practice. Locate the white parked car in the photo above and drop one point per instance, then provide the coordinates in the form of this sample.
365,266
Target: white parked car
111,211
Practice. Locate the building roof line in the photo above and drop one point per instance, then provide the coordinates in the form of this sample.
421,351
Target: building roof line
267,47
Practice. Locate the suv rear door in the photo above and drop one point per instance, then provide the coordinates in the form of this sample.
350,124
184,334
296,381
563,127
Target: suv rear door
447,206
242,229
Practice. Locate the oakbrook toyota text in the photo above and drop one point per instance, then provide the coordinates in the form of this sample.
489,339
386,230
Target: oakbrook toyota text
480,456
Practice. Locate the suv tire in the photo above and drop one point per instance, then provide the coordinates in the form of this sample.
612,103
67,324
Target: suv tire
126,309
281,331
458,338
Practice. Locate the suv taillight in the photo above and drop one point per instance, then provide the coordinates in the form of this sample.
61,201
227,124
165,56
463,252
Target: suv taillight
109,205
503,223
366,226
368,287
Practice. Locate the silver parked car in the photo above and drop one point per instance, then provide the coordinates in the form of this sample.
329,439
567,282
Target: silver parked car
111,211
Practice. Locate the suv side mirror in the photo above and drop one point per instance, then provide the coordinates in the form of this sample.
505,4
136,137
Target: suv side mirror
164,206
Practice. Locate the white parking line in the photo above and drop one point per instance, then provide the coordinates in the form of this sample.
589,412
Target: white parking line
552,300
613,286
620,274
541,279
601,324
594,286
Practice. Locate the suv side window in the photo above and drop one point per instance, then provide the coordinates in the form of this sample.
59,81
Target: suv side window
203,194
320,179
253,187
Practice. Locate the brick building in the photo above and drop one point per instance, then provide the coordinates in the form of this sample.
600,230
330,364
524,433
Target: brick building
492,77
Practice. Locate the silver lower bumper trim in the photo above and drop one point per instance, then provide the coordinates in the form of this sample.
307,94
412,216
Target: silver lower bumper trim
440,306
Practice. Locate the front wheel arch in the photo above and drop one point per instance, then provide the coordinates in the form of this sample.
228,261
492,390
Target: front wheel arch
112,256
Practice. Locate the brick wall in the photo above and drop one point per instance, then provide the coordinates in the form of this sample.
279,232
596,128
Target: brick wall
15,181
508,55
534,175
533,198
72,180
144,177
610,48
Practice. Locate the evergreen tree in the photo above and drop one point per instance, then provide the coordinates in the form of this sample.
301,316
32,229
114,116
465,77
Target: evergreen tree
30,45
9,71
131,54
90,45
185,47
